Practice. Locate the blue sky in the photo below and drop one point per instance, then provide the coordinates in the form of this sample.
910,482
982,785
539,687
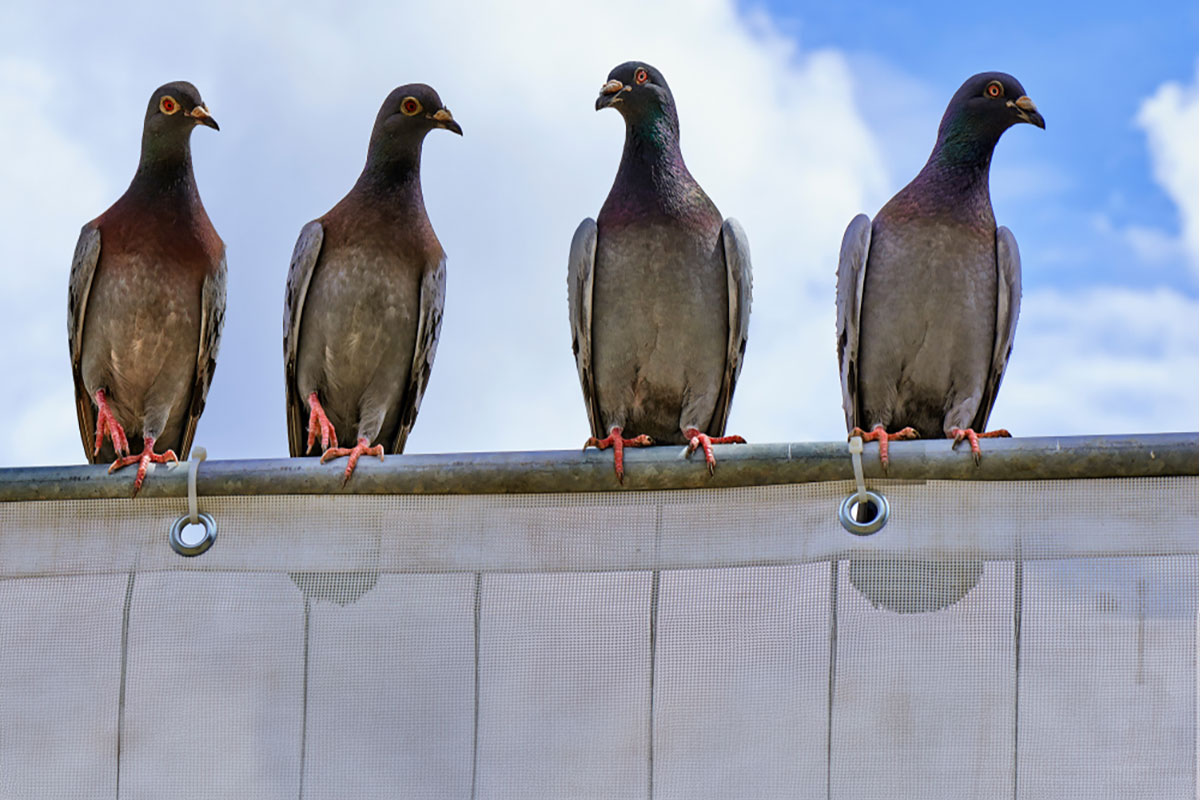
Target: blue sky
794,118
1088,66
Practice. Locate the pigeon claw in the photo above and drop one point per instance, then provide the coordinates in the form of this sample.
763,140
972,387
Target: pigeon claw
363,448
106,423
696,439
966,433
143,460
318,421
618,445
880,434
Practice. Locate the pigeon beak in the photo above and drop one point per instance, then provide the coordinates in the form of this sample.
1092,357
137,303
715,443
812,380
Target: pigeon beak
1027,111
203,117
610,93
444,120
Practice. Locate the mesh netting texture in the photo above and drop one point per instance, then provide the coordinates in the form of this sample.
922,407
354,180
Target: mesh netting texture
1016,639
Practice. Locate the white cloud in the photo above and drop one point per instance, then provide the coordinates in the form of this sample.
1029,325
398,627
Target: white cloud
1170,119
1102,360
49,190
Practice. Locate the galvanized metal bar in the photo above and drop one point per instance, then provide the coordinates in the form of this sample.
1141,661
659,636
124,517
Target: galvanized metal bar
646,469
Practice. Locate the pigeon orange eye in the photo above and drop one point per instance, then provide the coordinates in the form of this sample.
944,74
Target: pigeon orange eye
640,76
410,106
168,105
994,89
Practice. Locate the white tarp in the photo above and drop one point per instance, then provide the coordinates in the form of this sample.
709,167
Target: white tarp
689,644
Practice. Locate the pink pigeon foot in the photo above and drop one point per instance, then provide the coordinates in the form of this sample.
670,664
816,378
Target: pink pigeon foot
696,439
363,448
106,423
966,433
143,460
880,434
317,421
618,445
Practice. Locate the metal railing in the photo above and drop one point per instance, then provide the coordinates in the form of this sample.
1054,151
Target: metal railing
647,469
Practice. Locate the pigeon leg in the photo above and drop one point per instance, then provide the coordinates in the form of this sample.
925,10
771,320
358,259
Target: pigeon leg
107,423
880,434
143,461
966,433
318,421
618,445
363,448
703,440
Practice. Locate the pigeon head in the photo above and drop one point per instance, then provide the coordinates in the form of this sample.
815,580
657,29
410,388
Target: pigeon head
640,93
993,101
411,111
408,113
981,110
174,110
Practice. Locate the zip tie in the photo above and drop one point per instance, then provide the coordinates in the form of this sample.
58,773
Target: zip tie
856,448
194,516
199,454
862,498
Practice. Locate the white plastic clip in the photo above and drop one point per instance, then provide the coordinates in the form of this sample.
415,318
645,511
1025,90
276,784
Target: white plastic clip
861,499
194,516
199,454
856,448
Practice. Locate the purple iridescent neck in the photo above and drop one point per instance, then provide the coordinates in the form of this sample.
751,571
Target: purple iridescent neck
165,167
962,157
652,180
393,171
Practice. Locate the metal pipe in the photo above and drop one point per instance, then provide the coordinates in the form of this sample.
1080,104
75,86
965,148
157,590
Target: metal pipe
652,468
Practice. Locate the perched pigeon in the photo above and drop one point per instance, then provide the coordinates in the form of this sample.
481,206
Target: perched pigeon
927,304
364,297
147,300
928,292
659,289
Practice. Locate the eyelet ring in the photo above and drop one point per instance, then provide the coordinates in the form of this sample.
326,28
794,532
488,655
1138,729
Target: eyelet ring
202,546
846,514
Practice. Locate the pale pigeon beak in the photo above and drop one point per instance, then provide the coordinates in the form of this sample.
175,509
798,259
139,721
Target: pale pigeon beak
203,117
444,119
610,93
1027,111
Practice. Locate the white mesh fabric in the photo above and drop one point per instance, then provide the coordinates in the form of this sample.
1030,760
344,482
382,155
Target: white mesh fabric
500,646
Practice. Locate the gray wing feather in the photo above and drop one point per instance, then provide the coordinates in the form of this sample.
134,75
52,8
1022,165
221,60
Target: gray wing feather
212,320
429,327
83,269
304,259
740,278
852,269
580,276
1008,306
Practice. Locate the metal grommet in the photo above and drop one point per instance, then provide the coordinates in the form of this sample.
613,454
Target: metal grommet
846,517
189,550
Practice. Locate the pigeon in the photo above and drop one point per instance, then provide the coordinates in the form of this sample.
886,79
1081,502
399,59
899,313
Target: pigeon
147,300
928,292
658,289
365,294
